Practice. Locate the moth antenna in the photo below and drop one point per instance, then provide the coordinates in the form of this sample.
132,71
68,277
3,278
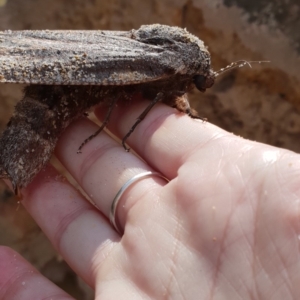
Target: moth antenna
239,64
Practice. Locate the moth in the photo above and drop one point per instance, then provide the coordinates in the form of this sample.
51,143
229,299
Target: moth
69,72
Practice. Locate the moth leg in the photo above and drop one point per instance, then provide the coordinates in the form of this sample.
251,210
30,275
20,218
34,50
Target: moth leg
105,122
141,117
5,175
182,104
16,189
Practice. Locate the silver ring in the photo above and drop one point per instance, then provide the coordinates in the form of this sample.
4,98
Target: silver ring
114,205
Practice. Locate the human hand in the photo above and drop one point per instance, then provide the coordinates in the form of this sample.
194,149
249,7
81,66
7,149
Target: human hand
226,226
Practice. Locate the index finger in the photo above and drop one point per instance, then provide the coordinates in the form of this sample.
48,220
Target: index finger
165,138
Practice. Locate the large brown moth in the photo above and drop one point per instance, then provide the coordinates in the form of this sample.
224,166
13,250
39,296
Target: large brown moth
69,72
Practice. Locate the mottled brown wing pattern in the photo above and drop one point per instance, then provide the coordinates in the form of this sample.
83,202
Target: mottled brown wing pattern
81,58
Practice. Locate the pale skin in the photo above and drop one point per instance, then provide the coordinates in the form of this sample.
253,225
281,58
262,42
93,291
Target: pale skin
226,226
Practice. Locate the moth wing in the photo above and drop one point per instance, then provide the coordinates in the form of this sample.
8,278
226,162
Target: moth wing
81,58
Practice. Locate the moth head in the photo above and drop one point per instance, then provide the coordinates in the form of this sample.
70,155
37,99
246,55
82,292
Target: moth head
203,82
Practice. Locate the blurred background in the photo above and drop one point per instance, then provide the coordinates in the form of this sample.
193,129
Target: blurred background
261,103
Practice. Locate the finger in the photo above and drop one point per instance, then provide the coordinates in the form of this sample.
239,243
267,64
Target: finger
82,234
103,167
165,138
73,225
20,280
